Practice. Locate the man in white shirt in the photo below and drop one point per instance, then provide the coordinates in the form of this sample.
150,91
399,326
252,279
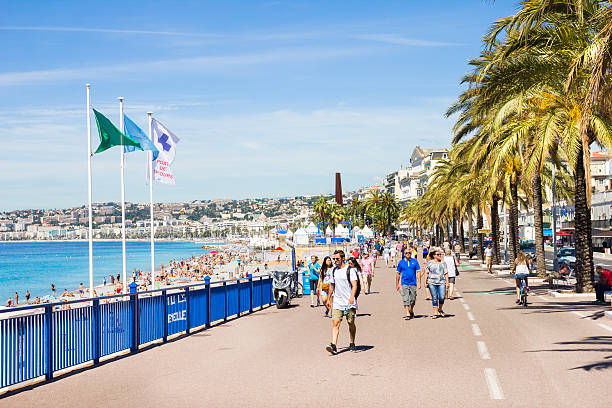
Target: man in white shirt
489,258
344,302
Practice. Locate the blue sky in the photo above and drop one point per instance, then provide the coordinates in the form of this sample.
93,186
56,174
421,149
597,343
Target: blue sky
269,98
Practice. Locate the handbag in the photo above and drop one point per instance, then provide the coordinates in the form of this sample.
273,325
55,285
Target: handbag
325,286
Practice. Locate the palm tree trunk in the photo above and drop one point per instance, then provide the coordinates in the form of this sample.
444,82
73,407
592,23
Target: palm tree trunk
538,224
479,225
582,229
470,231
461,234
495,230
513,220
448,232
454,225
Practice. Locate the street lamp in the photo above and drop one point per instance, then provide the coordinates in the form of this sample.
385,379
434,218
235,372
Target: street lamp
554,221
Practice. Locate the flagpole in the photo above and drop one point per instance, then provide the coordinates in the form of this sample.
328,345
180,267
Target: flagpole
150,155
90,234
121,127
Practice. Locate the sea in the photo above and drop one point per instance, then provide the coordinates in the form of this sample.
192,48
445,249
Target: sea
34,266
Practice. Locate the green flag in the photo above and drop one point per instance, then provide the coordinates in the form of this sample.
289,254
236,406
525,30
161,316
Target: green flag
111,136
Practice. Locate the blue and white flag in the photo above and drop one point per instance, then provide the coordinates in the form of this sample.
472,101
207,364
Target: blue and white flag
134,132
165,141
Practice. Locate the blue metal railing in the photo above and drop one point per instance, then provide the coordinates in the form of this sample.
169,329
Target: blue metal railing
56,336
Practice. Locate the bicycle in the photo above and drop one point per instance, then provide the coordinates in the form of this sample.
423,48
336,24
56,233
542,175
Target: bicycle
523,292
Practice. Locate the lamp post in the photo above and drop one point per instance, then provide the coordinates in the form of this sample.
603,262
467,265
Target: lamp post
554,221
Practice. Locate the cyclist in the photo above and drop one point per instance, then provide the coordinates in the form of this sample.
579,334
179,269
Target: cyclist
521,271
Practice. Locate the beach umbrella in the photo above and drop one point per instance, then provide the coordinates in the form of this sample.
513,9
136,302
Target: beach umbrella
278,249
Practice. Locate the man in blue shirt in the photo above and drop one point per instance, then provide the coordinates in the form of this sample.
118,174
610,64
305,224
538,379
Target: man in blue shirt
409,273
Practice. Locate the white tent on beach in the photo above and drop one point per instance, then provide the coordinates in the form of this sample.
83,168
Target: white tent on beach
367,232
329,232
289,233
342,231
300,237
356,232
311,229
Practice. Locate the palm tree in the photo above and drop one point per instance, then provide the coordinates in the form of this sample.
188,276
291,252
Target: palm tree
567,44
335,215
390,208
321,209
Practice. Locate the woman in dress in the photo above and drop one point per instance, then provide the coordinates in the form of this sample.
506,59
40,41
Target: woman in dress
436,277
325,276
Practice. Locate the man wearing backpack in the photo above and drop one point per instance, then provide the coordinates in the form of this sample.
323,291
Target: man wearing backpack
343,286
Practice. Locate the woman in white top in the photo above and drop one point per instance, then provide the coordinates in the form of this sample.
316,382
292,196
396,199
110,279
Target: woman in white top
451,264
521,271
325,277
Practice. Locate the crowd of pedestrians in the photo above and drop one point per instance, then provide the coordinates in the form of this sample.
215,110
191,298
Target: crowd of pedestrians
338,280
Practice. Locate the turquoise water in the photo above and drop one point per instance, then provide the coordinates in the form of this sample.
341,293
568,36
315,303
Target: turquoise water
34,266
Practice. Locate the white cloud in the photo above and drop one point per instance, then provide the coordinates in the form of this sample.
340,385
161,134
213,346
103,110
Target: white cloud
178,65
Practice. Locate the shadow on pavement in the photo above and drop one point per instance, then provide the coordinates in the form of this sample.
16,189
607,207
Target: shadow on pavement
601,344
358,349
592,310
363,314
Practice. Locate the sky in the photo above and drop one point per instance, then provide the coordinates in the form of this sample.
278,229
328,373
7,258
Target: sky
269,98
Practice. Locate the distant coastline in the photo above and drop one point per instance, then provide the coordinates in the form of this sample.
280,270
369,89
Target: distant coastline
33,241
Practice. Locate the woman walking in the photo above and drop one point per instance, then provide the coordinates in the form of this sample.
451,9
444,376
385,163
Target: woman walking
436,277
451,265
325,276
521,271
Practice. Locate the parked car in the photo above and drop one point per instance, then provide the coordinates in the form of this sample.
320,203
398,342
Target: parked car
567,255
529,249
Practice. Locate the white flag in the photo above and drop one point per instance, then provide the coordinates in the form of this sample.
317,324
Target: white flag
165,141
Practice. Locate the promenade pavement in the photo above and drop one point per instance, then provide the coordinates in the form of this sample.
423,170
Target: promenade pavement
487,352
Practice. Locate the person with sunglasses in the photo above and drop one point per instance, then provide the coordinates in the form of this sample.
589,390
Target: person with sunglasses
436,277
409,276
342,289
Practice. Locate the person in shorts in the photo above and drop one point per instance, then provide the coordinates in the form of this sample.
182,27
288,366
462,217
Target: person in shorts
407,281
489,258
325,274
367,268
314,268
343,291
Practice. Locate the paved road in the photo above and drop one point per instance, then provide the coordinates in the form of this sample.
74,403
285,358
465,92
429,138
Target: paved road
553,353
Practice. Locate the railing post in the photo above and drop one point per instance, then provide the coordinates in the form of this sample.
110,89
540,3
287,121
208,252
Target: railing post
251,294
238,285
135,322
261,291
97,333
49,341
225,290
270,290
187,310
207,281
165,316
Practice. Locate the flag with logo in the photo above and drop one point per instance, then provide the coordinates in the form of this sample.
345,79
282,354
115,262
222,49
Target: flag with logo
135,133
165,142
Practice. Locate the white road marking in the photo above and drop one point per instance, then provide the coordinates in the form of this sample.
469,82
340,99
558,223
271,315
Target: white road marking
579,314
605,326
476,330
470,316
507,281
466,307
461,300
482,350
495,390
543,298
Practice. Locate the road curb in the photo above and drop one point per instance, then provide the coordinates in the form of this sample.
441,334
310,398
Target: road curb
556,294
